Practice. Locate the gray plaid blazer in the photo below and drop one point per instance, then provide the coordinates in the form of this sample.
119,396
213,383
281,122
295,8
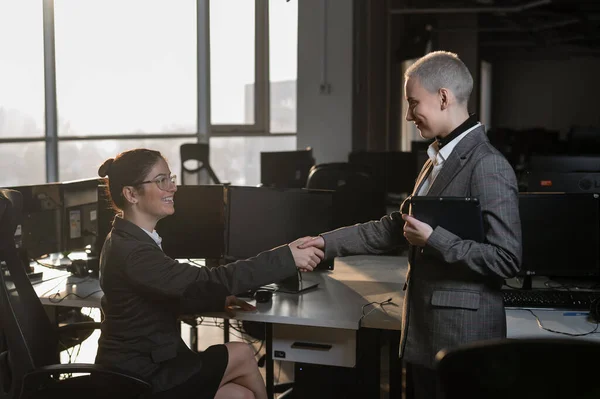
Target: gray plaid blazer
453,293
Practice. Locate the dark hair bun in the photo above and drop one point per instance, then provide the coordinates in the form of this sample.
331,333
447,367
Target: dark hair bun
104,169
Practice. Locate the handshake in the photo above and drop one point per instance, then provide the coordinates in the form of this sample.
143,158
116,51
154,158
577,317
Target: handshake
308,252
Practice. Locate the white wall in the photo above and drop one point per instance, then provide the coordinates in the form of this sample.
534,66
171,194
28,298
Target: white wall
325,120
554,94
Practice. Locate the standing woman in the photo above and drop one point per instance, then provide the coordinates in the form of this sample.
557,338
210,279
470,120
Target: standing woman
145,291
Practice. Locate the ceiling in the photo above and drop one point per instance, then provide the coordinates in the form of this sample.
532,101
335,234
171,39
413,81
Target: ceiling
517,28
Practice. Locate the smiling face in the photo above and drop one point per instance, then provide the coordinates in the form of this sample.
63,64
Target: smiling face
153,202
424,109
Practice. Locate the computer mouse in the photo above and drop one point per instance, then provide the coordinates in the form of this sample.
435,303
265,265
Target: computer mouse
263,296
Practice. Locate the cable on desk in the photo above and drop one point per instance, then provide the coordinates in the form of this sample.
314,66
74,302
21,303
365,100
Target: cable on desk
51,297
539,322
52,289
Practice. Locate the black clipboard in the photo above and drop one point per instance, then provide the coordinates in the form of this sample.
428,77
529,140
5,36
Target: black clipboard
459,215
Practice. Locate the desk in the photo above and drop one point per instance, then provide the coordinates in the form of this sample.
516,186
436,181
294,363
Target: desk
337,304
60,288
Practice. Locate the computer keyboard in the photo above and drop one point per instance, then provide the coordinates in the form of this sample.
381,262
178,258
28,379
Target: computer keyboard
576,300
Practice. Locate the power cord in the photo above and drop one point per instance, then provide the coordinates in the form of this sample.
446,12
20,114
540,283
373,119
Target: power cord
539,322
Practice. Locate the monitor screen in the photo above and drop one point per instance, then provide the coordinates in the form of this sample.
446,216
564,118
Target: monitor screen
548,181
40,229
564,163
80,220
285,169
560,234
197,228
261,218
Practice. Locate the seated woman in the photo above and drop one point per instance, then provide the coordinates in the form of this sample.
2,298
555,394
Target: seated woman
145,291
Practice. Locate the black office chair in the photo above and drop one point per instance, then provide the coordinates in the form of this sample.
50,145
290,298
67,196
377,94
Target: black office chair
521,369
358,198
29,361
198,152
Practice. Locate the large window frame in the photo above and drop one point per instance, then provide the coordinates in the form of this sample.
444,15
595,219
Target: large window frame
261,124
205,130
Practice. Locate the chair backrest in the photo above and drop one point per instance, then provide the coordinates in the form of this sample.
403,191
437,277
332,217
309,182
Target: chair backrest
357,197
341,176
520,368
31,339
201,171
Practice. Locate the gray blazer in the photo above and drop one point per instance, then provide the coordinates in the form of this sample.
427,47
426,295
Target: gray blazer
453,294
145,291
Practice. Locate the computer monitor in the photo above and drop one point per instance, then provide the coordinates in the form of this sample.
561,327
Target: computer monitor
394,171
286,169
197,228
80,220
564,163
106,215
561,234
548,181
261,218
39,231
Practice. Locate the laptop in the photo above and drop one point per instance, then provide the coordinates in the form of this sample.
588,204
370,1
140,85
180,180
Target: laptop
459,215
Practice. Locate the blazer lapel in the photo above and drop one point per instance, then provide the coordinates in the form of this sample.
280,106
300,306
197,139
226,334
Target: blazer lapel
457,160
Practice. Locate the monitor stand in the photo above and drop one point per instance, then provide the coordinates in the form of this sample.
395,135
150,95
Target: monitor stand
526,283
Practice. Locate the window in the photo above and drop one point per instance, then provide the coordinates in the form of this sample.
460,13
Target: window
127,75
21,71
236,160
232,62
125,67
22,164
240,35
283,64
81,159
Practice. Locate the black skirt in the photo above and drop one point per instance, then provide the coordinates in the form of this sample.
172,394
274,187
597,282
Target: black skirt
202,385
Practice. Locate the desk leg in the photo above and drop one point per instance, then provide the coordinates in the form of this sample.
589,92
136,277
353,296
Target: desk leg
395,366
369,361
225,330
269,360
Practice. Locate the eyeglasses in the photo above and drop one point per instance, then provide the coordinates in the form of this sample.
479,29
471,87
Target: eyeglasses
163,182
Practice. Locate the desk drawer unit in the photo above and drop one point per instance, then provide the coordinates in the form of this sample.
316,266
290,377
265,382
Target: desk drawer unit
314,345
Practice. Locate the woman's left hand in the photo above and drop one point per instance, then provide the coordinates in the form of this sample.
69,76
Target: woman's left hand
233,303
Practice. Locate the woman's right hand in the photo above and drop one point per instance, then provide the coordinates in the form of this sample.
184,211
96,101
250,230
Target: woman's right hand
307,257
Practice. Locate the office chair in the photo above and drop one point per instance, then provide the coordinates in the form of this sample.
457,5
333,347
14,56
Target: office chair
197,152
520,369
29,361
357,197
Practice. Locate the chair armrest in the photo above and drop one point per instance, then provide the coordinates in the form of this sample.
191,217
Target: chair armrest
84,325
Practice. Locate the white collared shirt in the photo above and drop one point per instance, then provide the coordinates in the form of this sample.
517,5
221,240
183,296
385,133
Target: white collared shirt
439,156
154,235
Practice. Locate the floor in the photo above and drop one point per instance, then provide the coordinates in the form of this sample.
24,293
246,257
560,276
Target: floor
210,332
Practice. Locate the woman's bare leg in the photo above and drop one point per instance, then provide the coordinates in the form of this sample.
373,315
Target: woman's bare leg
232,390
242,370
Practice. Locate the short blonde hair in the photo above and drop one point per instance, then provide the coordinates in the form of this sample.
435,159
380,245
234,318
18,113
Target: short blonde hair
442,69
